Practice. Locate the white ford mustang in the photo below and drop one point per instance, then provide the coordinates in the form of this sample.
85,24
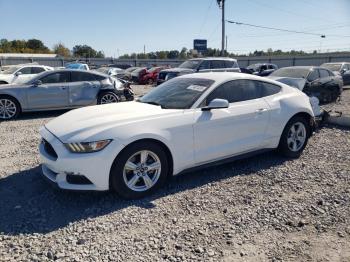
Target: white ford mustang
187,122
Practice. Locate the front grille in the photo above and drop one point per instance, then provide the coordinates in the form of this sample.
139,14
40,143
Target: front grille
49,149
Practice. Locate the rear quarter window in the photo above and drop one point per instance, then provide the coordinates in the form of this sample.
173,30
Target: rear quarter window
267,89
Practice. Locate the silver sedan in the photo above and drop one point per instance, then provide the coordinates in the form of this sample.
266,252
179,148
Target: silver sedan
58,89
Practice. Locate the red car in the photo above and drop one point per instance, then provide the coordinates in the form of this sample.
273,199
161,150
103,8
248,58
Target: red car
151,75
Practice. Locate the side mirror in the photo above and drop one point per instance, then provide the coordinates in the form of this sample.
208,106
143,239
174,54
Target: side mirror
37,83
216,103
18,73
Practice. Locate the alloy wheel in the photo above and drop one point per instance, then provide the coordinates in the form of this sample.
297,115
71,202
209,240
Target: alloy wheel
296,136
8,108
109,98
142,171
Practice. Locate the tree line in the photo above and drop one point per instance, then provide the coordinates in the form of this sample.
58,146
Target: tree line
35,46
85,51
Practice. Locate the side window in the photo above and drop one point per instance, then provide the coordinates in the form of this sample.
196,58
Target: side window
313,75
37,70
80,76
99,78
347,67
229,64
323,73
219,92
268,89
25,70
242,90
236,91
216,64
204,65
62,77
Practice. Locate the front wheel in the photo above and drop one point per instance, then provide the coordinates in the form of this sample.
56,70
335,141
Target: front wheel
107,98
140,169
9,108
294,137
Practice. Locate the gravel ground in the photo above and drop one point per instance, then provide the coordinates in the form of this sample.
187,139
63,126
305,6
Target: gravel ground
266,208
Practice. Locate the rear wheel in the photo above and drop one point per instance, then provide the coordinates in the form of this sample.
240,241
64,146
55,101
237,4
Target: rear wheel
294,137
107,98
140,169
150,81
9,108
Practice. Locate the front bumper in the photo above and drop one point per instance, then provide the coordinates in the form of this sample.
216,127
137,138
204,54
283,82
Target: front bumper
92,169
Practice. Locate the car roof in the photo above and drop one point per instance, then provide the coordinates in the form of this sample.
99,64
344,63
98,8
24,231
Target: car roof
336,63
77,70
215,58
300,67
226,76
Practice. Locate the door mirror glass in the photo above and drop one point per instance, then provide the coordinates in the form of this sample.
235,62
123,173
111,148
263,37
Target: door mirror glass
18,73
37,83
216,103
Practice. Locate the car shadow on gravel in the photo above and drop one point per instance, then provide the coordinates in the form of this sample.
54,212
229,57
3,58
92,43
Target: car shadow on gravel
28,204
41,114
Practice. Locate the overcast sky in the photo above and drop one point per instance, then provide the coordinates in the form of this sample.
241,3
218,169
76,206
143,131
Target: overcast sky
118,27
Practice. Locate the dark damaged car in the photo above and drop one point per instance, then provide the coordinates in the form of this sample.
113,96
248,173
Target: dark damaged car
313,81
210,64
58,89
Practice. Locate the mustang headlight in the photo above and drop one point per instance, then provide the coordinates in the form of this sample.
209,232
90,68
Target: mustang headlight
87,147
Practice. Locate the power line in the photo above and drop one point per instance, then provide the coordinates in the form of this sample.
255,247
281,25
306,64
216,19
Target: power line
205,17
276,29
285,30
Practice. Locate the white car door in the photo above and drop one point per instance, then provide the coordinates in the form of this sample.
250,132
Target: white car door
239,129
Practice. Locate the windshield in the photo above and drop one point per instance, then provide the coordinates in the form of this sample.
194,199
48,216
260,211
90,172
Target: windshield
10,70
332,67
190,64
153,69
178,93
131,69
103,70
291,72
254,67
74,66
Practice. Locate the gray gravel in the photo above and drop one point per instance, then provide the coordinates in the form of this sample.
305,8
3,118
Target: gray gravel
266,208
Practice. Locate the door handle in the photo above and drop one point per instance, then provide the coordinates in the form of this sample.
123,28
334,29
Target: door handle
261,110
63,88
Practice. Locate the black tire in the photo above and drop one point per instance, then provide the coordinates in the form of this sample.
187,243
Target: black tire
150,81
117,176
284,146
101,99
17,107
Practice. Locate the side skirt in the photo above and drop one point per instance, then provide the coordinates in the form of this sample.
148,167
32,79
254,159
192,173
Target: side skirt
225,160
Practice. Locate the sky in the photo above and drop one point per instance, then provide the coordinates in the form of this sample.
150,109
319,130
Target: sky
118,27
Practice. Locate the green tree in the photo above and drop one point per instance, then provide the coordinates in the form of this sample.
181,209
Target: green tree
61,50
37,46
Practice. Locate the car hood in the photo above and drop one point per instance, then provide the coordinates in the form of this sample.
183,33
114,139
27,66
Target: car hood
178,70
6,77
96,122
294,82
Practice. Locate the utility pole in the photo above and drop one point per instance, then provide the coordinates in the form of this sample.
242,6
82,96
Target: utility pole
221,4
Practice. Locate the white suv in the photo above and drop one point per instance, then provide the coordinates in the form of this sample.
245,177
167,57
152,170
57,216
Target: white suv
21,73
